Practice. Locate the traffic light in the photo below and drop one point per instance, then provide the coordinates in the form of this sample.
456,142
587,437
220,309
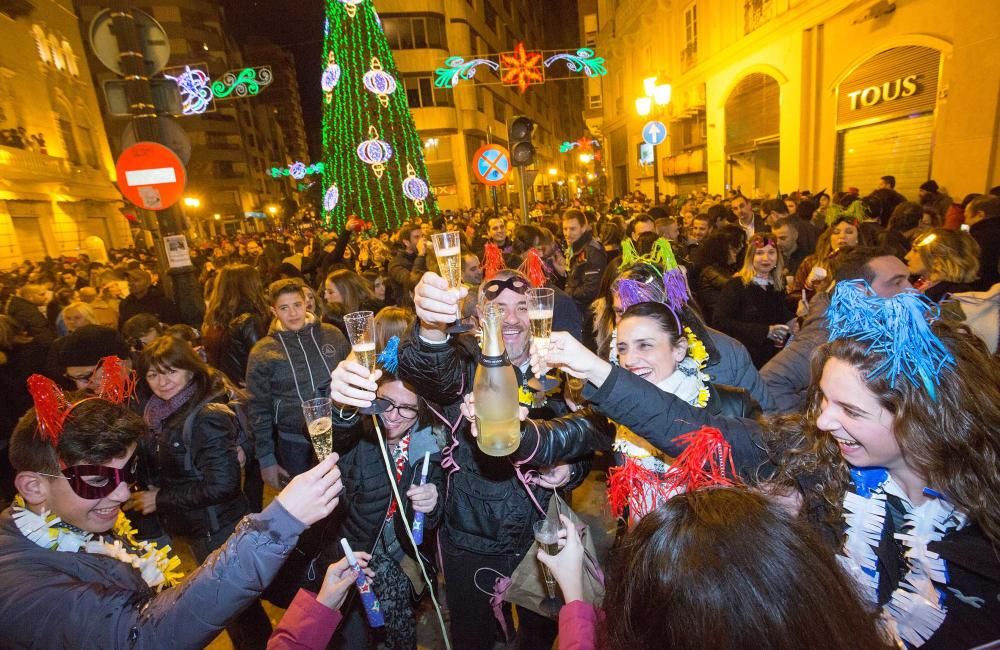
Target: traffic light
522,151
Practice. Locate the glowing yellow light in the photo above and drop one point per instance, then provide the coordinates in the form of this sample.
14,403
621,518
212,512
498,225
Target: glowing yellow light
192,201
643,106
272,209
649,85
585,158
217,216
553,171
661,95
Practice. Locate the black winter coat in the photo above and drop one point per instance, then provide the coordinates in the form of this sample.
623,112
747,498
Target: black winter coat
487,508
30,320
711,280
746,312
237,340
195,502
367,492
586,267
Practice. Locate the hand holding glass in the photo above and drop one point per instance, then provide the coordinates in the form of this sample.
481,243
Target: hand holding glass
448,251
541,304
360,327
319,422
547,537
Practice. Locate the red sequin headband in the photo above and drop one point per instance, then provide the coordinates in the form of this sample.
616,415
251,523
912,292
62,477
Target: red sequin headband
117,385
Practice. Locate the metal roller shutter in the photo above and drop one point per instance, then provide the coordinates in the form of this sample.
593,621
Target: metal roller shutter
901,148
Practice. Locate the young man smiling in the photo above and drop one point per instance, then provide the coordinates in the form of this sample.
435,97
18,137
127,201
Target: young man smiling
289,366
72,574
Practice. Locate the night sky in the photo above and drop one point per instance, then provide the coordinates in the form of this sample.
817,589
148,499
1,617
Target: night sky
298,27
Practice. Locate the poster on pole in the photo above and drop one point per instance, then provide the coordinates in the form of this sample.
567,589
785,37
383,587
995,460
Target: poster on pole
178,254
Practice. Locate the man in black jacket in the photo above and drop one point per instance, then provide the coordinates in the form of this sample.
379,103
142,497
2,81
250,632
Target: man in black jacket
144,298
408,263
23,308
586,260
488,511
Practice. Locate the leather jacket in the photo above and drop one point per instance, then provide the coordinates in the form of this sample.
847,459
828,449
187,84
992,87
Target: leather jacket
238,339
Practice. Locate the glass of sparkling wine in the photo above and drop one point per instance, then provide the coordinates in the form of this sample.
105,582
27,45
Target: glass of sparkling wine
541,303
448,250
547,537
360,327
319,422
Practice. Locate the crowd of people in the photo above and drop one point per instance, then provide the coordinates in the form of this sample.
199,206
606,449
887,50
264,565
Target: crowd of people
795,404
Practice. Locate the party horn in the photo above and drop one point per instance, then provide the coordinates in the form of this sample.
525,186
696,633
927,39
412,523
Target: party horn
418,519
372,607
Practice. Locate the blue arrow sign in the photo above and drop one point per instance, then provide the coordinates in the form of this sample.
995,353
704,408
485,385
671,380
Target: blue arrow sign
654,132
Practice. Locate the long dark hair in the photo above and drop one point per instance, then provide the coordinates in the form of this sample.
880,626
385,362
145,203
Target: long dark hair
714,251
238,287
724,568
951,441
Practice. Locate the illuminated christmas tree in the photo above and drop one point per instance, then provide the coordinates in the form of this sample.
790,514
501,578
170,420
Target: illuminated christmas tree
374,161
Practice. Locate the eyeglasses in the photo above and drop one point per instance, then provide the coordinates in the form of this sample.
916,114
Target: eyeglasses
403,411
97,481
81,378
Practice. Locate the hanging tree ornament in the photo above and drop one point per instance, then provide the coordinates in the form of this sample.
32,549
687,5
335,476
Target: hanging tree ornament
331,198
414,188
351,6
330,78
379,82
375,152
297,170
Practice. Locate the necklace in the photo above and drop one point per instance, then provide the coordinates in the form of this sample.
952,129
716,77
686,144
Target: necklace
156,566
915,608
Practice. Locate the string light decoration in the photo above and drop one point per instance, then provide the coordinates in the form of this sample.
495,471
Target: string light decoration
330,78
521,68
375,152
377,81
370,143
415,188
297,170
195,88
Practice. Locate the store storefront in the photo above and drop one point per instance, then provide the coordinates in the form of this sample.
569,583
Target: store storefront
885,120
753,115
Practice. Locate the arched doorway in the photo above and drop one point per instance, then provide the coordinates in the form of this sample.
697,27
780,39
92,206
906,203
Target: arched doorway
752,126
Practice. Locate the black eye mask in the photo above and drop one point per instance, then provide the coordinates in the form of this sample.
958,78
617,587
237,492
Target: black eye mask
494,288
98,481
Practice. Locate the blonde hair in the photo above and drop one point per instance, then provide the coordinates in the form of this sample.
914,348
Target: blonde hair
83,309
949,255
747,273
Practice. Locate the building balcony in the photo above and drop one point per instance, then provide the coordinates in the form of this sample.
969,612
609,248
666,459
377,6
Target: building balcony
16,8
25,165
689,57
756,13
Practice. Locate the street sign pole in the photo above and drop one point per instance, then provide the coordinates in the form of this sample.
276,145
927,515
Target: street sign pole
496,204
656,176
522,183
186,291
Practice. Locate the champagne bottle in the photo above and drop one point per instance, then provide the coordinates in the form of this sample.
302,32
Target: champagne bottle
495,390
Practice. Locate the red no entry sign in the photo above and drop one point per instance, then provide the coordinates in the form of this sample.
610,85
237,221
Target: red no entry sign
150,175
491,164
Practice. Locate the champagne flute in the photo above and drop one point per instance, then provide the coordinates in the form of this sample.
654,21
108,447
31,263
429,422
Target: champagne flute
319,422
541,303
448,251
360,327
547,537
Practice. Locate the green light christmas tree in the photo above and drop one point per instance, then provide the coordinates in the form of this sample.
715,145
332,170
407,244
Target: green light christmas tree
374,161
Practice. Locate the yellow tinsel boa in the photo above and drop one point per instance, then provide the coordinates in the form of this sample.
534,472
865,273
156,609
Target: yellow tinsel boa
157,567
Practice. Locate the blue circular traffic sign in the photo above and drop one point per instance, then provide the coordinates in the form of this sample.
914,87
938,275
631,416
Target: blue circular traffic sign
491,164
654,132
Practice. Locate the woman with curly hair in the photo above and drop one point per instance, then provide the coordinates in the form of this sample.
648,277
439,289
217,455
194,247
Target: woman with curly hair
895,462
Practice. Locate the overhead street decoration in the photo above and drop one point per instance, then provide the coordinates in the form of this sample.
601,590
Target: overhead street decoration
297,170
522,67
199,93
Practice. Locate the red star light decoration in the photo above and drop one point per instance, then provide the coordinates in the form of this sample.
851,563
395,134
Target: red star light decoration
521,68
